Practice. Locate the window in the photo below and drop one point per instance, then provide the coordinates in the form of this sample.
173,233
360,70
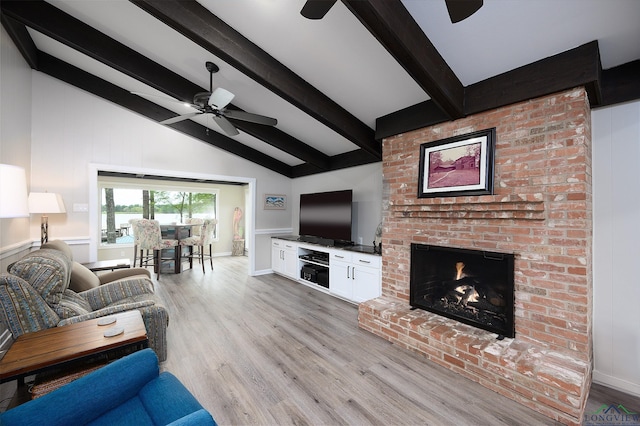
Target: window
168,202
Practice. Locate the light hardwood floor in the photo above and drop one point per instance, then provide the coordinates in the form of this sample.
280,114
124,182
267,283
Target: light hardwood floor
265,350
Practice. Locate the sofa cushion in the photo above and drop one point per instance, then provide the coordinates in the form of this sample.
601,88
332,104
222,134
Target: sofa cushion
59,245
82,278
166,399
115,292
131,412
47,270
24,310
72,305
200,417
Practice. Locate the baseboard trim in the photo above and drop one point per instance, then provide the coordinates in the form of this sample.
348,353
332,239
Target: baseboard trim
263,272
616,383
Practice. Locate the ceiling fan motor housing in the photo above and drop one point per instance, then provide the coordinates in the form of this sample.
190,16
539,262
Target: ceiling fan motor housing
201,99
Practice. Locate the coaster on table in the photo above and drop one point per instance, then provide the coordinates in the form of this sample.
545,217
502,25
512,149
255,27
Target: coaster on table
107,320
113,331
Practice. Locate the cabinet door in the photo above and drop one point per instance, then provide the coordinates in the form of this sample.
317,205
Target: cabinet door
341,279
276,258
290,263
366,283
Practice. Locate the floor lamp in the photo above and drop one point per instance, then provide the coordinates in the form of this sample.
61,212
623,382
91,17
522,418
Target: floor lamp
13,192
45,203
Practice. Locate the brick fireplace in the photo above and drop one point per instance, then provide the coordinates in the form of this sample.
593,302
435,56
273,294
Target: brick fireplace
540,212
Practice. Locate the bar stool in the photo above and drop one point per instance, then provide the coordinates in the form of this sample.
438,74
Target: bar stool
200,242
196,229
148,236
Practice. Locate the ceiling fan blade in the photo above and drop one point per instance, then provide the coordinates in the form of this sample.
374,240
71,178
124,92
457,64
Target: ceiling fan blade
180,118
316,9
462,9
226,125
253,118
220,98
151,97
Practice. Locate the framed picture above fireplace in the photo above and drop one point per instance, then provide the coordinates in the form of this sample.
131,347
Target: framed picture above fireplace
459,165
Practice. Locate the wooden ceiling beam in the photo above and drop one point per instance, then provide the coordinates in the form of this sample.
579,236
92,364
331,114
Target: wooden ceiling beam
394,27
417,116
198,24
573,68
68,30
354,158
621,84
106,90
21,38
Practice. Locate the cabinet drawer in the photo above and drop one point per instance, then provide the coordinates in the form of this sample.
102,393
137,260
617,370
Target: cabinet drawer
340,255
366,260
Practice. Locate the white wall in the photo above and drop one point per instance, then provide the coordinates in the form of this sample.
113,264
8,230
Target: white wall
616,218
366,183
72,130
15,139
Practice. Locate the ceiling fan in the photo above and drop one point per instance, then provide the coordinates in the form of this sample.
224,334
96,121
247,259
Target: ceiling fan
214,102
458,9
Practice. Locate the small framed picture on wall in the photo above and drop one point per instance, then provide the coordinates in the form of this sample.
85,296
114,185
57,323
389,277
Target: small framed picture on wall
275,202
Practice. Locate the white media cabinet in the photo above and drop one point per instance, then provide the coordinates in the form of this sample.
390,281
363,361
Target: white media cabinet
346,272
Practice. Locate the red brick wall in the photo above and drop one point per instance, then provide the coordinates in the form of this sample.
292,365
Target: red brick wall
541,212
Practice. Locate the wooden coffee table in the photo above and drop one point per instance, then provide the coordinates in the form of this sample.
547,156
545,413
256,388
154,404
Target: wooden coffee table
36,352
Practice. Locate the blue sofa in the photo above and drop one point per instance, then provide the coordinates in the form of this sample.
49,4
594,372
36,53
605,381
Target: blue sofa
129,391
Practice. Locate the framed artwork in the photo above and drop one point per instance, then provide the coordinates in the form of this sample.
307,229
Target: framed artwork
460,165
275,202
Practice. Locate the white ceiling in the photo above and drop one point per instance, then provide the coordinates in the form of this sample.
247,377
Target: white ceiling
338,56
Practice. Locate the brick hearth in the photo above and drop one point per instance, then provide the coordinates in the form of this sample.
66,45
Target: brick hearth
541,212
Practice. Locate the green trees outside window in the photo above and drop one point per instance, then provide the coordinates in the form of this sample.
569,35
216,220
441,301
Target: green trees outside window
121,204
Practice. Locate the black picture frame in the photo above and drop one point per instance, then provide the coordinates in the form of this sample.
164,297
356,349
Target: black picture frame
457,166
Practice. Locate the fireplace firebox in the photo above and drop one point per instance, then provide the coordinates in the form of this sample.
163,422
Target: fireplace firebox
471,286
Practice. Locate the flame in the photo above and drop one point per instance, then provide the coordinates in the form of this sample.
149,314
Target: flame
459,268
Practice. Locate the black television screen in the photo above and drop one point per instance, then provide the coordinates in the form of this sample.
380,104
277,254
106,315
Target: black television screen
326,215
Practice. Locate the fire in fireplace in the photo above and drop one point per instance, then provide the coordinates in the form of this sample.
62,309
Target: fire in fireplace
471,286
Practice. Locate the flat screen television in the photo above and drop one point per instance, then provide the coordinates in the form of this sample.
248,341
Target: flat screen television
327,215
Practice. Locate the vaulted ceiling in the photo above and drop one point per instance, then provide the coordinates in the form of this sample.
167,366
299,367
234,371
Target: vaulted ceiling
337,86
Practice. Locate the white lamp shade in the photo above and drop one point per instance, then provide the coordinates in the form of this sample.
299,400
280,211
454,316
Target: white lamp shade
13,192
45,202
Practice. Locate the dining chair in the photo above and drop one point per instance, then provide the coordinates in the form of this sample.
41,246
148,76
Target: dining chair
196,229
148,236
143,258
199,242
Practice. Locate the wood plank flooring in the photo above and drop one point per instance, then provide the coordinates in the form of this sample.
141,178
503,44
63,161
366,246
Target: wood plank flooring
266,350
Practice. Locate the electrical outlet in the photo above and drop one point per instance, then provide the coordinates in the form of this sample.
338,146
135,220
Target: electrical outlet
360,240
121,253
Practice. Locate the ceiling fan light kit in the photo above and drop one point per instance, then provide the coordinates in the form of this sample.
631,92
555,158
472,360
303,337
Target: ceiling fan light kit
220,98
215,102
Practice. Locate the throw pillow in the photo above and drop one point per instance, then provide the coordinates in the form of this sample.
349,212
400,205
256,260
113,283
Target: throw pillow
47,271
82,278
24,310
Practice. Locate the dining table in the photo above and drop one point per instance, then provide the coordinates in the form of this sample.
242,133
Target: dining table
176,231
